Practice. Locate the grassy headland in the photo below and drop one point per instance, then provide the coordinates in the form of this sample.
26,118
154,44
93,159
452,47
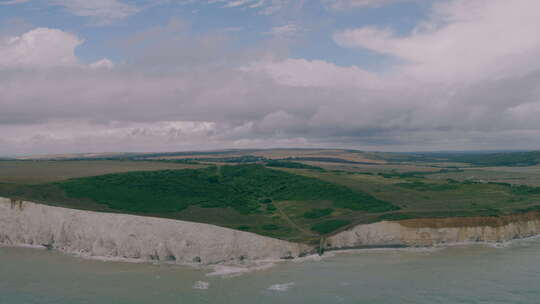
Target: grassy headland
278,197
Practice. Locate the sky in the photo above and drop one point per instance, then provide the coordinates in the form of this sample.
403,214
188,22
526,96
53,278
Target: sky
175,75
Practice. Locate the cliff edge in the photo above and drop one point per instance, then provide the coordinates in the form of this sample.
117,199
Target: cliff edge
123,236
430,232
107,235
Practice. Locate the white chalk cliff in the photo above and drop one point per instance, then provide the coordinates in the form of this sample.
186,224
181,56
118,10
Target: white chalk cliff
107,235
429,232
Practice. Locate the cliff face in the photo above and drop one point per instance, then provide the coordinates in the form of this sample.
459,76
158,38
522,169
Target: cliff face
109,235
135,237
428,232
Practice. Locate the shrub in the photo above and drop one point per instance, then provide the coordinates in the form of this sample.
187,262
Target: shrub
394,217
270,227
329,226
241,187
525,190
318,213
420,186
290,164
265,201
528,209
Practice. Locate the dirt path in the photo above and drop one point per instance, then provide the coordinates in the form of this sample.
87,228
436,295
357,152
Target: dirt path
292,223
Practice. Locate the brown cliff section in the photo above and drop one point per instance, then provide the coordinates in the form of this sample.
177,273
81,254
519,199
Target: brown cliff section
478,221
437,231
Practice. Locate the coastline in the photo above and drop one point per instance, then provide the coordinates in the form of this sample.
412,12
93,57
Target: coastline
437,232
139,239
135,238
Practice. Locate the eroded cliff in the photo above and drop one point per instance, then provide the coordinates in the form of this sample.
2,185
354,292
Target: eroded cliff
108,235
429,232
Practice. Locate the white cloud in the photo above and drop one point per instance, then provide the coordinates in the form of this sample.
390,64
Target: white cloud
105,12
178,92
13,2
85,136
346,4
102,64
237,3
41,47
232,29
313,73
102,11
287,30
44,48
264,7
463,41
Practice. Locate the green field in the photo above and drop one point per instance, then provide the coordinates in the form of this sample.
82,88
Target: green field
293,200
43,171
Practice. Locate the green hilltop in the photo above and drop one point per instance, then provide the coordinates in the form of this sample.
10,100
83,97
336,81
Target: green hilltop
297,195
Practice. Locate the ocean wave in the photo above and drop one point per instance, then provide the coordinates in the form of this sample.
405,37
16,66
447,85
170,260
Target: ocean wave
230,271
281,287
201,285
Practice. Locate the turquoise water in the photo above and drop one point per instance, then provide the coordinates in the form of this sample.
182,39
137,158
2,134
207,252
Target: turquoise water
453,275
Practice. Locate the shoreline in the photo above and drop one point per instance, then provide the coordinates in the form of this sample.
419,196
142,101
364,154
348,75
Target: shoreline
112,237
235,269
130,237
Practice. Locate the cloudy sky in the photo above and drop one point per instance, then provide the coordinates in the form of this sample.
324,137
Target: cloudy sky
170,75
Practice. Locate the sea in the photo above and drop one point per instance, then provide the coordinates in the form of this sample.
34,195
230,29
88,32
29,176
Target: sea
508,273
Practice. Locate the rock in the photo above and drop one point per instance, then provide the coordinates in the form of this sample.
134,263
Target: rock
110,235
429,232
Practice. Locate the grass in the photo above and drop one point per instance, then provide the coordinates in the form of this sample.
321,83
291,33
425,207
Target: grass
241,187
318,213
421,186
38,172
530,158
510,175
290,164
329,226
524,190
246,197
270,227
420,197
287,201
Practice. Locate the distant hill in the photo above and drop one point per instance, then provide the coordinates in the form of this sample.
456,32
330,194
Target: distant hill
529,158
333,155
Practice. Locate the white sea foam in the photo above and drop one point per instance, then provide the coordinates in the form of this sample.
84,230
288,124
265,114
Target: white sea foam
201,285
312,257
23,246
231,271
375,250
222,270
281,287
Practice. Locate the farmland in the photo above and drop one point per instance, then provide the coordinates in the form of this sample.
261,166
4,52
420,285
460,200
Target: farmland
295,198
